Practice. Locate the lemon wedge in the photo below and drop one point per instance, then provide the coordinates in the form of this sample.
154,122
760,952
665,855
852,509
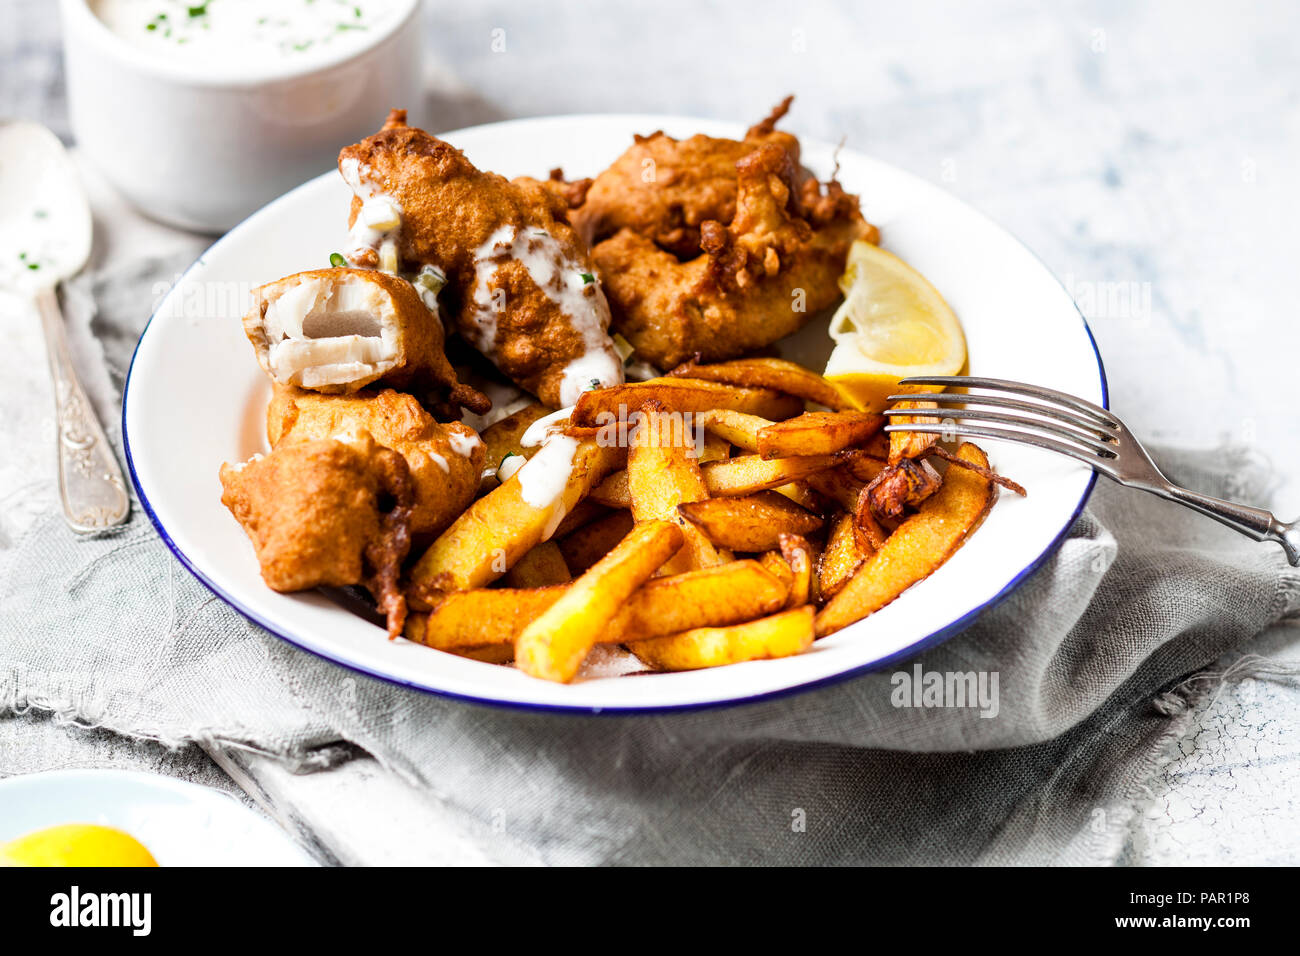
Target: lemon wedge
892,324
76,844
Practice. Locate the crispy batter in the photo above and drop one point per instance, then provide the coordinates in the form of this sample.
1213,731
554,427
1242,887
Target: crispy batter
313,512
482,231
665,189
760,278
902,485
444,478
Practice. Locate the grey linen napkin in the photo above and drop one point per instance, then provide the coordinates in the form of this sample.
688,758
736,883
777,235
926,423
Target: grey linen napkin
113,633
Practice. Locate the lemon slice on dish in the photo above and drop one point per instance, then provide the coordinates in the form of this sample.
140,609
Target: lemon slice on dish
892,324
76,844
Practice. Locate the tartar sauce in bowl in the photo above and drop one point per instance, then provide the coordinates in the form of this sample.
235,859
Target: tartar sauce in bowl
230,34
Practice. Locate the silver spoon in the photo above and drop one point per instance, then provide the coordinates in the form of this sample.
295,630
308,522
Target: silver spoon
45,233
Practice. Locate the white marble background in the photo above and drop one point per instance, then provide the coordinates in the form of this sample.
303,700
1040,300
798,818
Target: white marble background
1147,152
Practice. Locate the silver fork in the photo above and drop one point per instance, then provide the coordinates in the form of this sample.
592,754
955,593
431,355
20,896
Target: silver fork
1086,432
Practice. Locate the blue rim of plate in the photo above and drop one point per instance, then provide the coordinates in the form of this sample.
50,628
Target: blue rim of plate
930,640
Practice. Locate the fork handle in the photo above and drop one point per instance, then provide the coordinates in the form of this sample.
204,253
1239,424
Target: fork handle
1253,522
90,481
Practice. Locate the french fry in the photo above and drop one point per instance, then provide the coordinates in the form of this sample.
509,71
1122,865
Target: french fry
465,619
491,654
747,474
602,406
725,594
613,492
817,433
743,475
781,635
798,553
589,544
802,494
776,566
738,428
920,545
774,373
661,475
749,523
541,567
500,528
840,559
911,444
502,437
554,645
580,515
716,448
710,597
838,485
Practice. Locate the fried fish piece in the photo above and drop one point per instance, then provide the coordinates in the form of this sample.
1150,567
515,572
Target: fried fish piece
760,278
521,285
445,461
665,189
315,512
338,330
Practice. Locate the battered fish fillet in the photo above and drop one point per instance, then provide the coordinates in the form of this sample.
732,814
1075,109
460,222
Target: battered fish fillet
327,513
521,285
758,280
338,330
665,189
445,461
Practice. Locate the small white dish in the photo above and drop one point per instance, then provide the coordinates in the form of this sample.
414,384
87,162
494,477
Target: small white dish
201,145
195,397
181,824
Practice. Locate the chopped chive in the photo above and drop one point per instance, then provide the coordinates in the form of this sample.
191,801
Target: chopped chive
22,256
33,265
198,11
337,260
588,278
151,26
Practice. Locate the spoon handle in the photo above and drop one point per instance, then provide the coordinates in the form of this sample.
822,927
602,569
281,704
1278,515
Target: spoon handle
90,481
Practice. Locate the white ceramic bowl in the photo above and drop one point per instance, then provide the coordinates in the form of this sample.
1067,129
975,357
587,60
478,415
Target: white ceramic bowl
202,147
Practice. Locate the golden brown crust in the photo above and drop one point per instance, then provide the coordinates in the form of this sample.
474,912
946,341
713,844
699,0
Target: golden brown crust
759,279
313,513
450,211
665,189
396,421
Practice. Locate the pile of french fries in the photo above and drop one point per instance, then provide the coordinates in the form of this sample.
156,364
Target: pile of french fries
723,513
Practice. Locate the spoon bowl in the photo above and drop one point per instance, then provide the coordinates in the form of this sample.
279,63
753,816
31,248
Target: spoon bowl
45,224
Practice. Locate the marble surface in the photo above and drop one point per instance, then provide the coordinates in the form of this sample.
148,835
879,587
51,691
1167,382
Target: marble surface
1145,152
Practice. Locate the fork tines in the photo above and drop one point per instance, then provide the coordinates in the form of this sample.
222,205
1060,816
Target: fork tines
1053,420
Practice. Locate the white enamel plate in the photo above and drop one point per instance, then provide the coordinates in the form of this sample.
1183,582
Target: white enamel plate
195,398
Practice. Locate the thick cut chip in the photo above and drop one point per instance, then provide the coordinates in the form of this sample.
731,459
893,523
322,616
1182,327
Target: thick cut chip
918,547
541,567
752,522
554,645
781,635
774,373
818,433
840,559
502,526
589,544
609,405
711,597
663,473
